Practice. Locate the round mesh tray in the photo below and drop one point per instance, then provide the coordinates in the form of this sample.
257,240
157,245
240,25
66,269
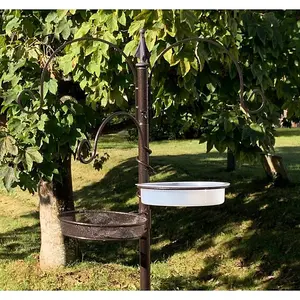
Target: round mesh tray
102,225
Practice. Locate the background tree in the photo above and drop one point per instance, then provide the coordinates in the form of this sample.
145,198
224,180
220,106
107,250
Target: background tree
195,88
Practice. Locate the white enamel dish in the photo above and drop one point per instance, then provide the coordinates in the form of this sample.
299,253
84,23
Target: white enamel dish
184,193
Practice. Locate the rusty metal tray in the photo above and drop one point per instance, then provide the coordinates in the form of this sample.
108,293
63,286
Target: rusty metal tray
102,225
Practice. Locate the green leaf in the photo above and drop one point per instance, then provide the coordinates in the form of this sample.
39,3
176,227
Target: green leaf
187,16
32,155
252,30
94,65
168,102
2,41
46,139
209,146
9,178
104,101
65,64
48,29
168,56
93,68
211,87
15,124
174,61
117,96
51,17
256,128
261,32
131,47
41,125
90,49
70,119
2,149
29,162
83,83
78,75
99,17
221,147
150,39
7,146
66,32
45,89
227,125
185,66
61,13
10,146
112,23
135,27
109,37
13,23
65,109
52,86
33,54
61,26
83,30
122,19
277,39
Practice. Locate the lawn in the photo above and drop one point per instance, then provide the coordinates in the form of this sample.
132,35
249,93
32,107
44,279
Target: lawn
251,242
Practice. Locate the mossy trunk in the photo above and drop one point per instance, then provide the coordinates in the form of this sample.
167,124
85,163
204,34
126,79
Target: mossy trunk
55,197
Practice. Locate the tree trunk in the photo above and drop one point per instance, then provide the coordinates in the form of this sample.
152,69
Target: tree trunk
231,161
55,197
275,169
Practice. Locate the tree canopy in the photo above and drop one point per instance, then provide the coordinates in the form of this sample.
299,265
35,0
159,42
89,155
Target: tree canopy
193,84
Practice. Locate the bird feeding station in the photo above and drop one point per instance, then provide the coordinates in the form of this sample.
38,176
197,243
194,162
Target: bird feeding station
119,226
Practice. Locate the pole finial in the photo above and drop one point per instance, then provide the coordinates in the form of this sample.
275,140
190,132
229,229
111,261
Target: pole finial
142,51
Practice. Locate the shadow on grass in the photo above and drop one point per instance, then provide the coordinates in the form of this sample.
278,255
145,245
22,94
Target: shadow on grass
290,154
270,242
291,159
20,243
288,132
118,185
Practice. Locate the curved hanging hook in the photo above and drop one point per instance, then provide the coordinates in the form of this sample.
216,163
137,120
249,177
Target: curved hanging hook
225,50
259,92
129,62
99,133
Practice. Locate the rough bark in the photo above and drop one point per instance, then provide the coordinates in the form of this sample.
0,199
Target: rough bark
52,252
55,197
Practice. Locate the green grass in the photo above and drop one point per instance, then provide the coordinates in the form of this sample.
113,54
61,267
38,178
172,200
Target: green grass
250,242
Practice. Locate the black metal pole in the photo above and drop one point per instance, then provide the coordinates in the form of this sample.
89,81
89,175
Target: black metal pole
142,116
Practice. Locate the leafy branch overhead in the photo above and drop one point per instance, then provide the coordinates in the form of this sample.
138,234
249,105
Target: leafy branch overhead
194,85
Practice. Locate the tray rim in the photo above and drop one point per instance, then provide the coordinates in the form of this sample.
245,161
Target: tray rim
164,185
142,216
